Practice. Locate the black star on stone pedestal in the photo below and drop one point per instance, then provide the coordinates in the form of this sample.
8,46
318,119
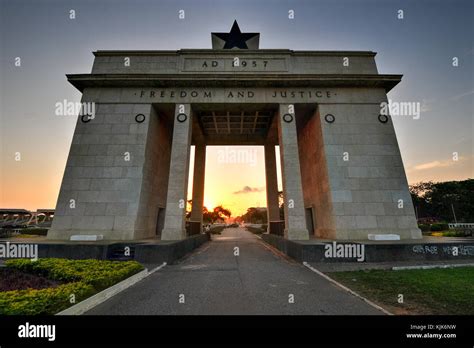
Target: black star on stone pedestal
235,39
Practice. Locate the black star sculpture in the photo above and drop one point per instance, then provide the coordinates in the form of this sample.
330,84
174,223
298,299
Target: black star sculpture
235,39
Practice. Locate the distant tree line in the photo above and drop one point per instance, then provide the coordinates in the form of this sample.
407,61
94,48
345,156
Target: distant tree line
443,200
254,216
436,201
218,214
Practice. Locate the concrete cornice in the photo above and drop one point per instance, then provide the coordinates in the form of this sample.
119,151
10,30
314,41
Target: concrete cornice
233,52
134,53
242,80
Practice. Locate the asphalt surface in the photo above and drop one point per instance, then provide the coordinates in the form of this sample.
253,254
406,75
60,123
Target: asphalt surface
212,280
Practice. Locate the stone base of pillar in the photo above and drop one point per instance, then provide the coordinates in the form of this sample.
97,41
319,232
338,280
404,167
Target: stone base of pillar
325,233
362,234
276,227
61,234
173,234
297,234
195,227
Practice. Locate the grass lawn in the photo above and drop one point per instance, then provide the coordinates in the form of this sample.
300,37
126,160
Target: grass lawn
430,291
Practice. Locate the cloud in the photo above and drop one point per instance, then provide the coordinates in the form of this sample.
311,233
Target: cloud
431,165
462,95
436,164
248,189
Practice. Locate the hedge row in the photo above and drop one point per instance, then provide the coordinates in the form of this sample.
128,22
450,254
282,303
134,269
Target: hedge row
256,230
35,231
433,227
83,278
43,301
8,232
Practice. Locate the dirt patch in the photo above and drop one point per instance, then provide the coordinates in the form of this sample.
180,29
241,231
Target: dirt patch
11,279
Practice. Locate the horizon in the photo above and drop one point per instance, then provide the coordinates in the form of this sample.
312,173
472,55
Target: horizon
410,46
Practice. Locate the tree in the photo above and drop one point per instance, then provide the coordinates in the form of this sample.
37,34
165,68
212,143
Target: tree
281,202
417,192
207,216
219,213
255,216
438,199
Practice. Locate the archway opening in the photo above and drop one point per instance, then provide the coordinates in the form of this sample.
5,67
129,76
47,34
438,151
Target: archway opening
235,187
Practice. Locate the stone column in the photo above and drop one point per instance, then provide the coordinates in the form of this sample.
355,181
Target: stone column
174,228
198,188
106,173
295,222
273,211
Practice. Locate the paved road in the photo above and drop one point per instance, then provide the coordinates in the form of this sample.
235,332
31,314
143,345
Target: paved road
214,281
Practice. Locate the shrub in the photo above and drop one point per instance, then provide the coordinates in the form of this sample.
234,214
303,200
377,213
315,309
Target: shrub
424,227
43,301
439,227
35,231
5,232
456,234
98,273
84,277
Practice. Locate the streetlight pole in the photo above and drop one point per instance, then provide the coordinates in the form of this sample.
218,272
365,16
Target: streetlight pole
454,214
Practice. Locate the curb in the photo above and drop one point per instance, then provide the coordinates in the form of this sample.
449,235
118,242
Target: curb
104,295
307,265
402,268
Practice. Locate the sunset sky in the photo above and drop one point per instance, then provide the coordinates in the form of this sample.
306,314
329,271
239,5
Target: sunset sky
420,46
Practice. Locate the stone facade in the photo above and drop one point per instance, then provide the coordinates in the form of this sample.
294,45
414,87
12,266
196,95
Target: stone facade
354,175
127,180
106,177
